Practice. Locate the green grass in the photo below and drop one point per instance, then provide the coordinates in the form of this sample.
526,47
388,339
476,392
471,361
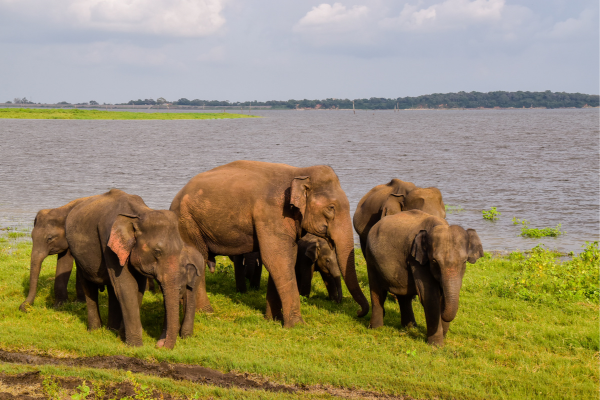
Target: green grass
32,113
499,346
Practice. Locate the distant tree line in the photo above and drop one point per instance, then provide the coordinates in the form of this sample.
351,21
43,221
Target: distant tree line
547,99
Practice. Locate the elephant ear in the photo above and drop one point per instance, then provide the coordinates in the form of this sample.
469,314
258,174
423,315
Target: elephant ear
192,261
122,236
298,192
419,248
312,251
393,205
474,247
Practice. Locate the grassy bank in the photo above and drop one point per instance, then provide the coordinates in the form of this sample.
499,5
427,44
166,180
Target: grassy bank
504,343
27,113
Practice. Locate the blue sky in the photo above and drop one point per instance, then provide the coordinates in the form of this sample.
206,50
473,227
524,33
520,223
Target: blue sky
117,50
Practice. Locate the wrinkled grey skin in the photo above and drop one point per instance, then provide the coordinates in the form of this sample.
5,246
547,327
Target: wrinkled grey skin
48,237
414,253
315,254
118,242
247,266
392,198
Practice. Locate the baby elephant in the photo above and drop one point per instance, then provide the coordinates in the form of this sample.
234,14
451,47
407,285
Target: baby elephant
414,253
48,236
315,254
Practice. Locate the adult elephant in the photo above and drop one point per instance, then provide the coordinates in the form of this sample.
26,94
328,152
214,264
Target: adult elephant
119,242
48,237
248,206
390,199
414,253
247,266
316,255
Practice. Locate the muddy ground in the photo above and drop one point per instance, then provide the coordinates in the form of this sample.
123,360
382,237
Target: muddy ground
31,385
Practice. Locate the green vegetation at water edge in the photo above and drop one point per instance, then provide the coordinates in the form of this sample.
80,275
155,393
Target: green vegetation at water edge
492,214
453,209
504,342
537,233
34,113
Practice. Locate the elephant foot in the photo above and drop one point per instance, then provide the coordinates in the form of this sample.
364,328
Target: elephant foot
25,307
374,324
81,299
291,322
134,343
436,341
186,332
409,324
60,303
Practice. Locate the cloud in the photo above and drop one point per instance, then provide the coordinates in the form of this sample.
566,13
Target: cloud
332,18
574,27
448,15
178,18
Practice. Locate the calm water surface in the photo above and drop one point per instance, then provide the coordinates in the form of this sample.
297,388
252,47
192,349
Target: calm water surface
540,165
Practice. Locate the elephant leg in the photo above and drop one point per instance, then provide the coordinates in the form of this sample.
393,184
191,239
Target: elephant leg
256,274
93,312
407,317
331,286
240,273
127,289
429,295
378,297
79,286
273,302
279,256
115,317
189,307
202,301
64,266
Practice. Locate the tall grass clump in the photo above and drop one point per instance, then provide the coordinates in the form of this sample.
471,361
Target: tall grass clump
541,277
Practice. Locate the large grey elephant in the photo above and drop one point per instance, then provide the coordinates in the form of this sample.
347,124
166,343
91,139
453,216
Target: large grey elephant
48,237
414,253
118,242
248,206
391,198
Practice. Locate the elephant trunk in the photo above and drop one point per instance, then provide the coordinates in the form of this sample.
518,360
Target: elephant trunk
171,293
37,257
451,289
338,288
344,250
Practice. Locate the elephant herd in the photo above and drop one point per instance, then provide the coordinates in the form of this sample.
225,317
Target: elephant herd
294,221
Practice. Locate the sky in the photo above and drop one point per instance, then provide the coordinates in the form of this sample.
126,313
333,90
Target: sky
116,50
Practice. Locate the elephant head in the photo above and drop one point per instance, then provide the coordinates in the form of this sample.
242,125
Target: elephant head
428,200
151,243
445,250
326,213
320,257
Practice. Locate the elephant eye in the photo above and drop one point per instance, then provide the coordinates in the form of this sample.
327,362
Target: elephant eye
330,211
157,253
50,238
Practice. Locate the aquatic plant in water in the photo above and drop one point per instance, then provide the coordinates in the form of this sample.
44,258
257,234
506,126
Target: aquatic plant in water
537,233
491,215
453,209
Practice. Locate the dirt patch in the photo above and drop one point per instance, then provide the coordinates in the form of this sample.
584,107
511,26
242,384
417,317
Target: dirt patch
179,372
32,385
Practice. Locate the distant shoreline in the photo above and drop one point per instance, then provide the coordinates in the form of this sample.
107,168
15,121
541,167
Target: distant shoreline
77,114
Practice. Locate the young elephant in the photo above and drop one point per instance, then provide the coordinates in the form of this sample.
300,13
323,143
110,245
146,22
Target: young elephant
247,266
414,253
119,242
315,254
48,237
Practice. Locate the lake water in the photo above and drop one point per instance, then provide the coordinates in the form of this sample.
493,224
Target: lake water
539,165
